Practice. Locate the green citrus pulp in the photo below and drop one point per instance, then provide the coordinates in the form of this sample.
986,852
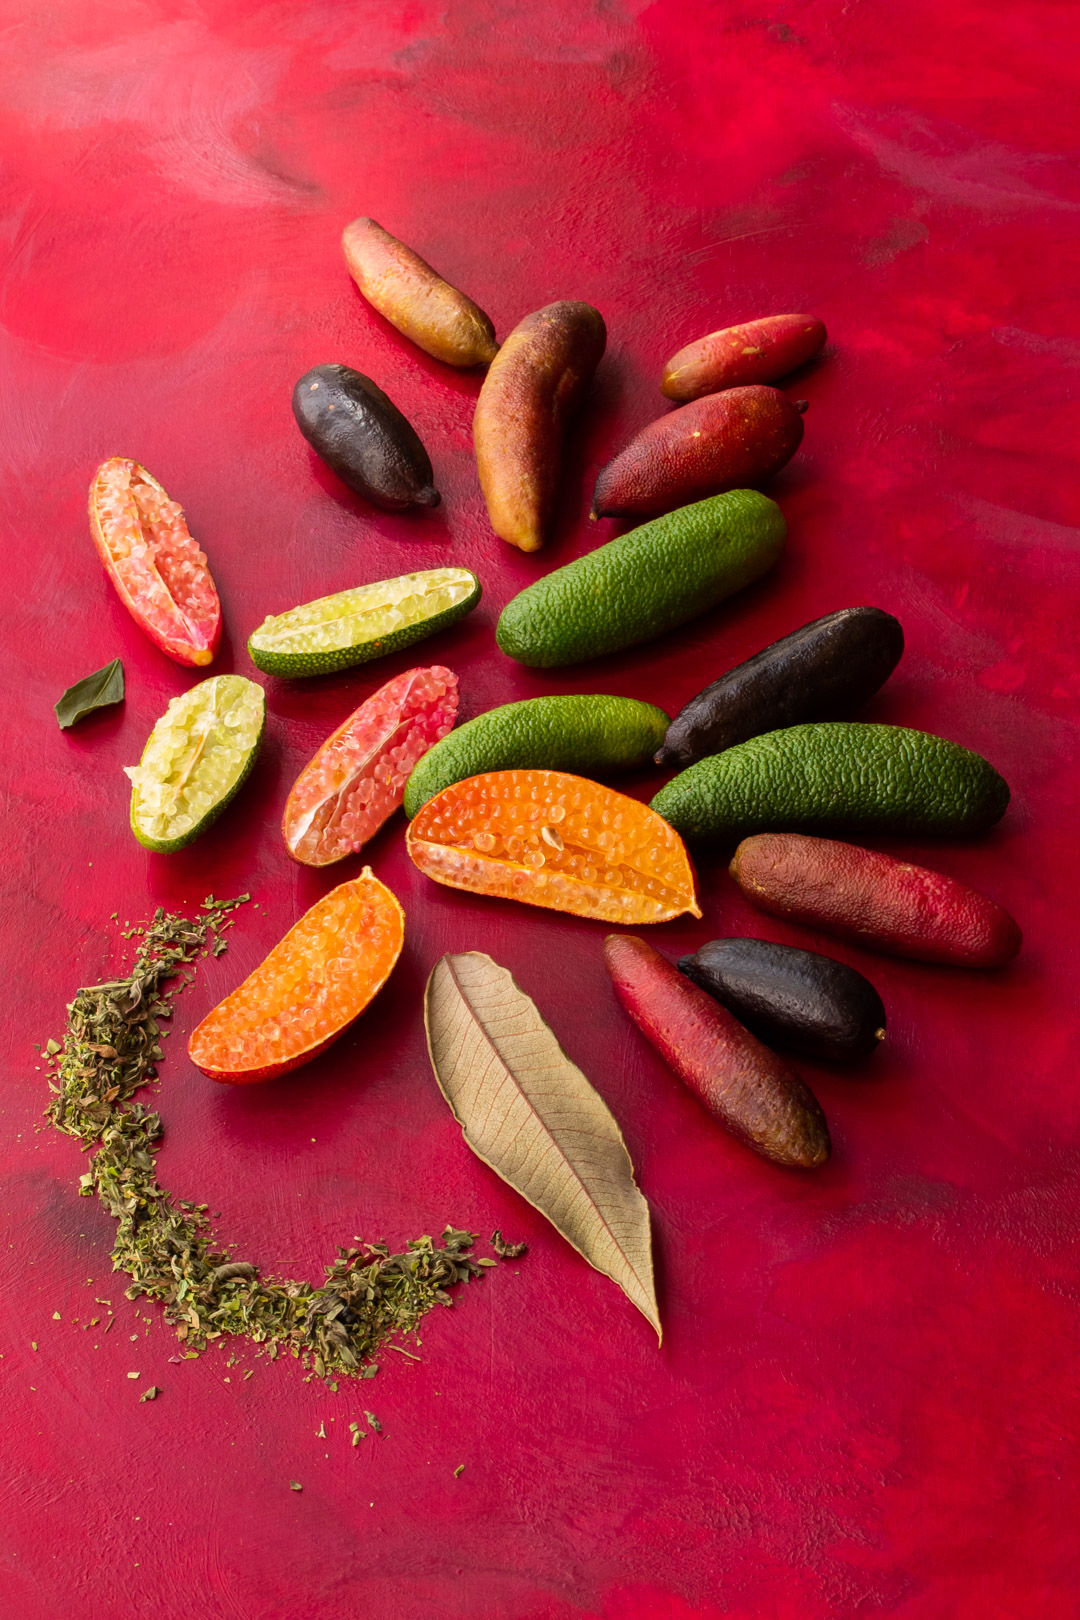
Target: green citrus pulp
195,760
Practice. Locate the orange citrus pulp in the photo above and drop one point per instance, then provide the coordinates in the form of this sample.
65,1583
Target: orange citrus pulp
555,840
312,985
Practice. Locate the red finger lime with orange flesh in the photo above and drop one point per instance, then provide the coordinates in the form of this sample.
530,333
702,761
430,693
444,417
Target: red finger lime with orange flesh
554,840
309,989
357,778
159,571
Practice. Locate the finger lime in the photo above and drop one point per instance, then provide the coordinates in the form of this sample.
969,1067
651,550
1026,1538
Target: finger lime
366,622
840,776
195,760
587,734
645,582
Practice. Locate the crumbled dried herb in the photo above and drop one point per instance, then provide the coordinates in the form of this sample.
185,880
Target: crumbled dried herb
507,1251
165,1244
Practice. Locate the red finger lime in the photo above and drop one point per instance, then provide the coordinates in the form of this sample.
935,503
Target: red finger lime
159,571
357,778
309,989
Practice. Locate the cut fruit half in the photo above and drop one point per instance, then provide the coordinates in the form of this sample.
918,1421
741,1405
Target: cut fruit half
195,760
158,569
555,840
308,990
366,622
357,779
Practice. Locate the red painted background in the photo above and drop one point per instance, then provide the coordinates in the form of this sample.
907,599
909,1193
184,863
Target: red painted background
866,1402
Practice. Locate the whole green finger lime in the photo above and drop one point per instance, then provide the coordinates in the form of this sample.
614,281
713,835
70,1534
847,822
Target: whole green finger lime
644,583
587,734
841,776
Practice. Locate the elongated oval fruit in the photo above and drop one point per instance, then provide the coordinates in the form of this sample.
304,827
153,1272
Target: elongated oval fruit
160,573
534,385
733,440
357,778
413,297
320,977
196,759
335,632
843,775
644,583
789,998
554,840
361,434
740,1082
874,900
755,352
580,733
816,673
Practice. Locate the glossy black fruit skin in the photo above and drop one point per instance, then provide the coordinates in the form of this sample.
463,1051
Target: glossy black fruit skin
363,436
820,672
789,998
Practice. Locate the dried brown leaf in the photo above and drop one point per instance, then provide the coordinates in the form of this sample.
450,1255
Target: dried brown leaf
531,1115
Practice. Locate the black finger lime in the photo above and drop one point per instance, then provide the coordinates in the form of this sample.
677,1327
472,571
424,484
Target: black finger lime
820,672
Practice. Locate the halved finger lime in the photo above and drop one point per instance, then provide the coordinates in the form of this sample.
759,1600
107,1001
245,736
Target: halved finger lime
363,623
158,569
195,760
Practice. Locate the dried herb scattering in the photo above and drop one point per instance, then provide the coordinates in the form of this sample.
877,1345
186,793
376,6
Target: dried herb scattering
166,1246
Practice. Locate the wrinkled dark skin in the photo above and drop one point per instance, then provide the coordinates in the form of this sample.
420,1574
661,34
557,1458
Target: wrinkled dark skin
363,436
797,1000
820,672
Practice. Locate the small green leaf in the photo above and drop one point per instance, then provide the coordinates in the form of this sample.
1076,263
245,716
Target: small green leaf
104,687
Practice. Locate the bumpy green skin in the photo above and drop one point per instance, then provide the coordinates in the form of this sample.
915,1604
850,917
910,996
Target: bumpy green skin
586,735
840,777
645,582
325,663
169,845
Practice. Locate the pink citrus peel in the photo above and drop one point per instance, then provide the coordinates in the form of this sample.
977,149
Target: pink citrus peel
874,900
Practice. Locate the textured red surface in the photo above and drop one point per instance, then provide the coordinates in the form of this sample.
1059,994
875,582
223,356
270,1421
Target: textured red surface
866,1401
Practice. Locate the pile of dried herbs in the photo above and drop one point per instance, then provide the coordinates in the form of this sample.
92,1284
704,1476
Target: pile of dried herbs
165,1244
